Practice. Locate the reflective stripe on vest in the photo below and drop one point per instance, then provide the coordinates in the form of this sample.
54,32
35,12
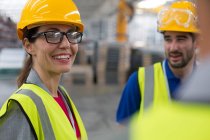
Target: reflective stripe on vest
153,86
46,116
45,122
149,86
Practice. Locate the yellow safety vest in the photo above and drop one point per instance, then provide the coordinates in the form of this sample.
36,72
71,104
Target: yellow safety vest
46,116
176,121
153,86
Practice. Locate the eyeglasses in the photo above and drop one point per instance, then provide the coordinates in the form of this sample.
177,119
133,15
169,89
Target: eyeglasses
55,37
181,16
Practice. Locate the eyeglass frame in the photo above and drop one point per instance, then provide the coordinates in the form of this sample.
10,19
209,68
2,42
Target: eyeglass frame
61,38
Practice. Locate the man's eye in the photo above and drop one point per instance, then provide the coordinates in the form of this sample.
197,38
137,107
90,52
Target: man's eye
181,39
167,39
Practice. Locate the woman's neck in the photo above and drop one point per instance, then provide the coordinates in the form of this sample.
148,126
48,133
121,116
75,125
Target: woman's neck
50,80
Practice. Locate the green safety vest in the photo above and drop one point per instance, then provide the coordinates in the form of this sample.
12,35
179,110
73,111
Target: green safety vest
46,116
153,86
176,121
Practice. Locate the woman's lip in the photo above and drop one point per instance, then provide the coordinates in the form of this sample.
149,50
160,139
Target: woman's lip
62,59
62,55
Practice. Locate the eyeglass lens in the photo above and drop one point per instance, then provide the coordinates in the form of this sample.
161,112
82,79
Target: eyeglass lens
57,37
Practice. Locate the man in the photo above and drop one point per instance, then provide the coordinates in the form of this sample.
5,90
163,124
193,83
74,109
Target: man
158,83
188,117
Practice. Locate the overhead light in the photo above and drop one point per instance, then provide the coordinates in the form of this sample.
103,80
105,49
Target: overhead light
149,4
139,44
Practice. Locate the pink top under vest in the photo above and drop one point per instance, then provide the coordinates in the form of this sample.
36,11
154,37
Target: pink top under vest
60,101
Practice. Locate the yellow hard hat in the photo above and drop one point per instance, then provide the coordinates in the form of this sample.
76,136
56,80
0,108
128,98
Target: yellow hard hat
40,12
181,16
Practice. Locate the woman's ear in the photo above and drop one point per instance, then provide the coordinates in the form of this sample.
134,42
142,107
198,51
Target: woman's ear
28,46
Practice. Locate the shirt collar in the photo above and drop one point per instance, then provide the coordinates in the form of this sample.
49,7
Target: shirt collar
33,78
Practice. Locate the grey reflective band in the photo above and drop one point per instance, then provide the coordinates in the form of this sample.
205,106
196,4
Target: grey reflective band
149,86
45,121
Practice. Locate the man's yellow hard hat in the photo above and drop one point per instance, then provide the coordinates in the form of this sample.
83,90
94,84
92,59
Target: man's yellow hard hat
181,16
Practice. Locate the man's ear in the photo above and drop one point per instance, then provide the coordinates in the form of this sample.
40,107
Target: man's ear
198,41
28,46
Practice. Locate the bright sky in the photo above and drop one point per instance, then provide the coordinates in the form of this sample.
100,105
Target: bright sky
12,8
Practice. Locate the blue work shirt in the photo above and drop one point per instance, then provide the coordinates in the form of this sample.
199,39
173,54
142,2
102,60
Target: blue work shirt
130,99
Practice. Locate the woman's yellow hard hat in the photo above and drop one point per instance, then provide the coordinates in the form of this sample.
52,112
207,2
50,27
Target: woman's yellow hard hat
42,12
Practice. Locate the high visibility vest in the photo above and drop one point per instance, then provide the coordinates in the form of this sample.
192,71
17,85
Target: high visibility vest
176,121
153,86
46,116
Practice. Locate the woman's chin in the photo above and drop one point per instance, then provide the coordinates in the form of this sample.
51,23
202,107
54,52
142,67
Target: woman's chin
65,70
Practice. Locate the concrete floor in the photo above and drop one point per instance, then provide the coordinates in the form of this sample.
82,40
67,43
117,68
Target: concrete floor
97,107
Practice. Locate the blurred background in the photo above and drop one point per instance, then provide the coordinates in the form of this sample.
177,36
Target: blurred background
119,37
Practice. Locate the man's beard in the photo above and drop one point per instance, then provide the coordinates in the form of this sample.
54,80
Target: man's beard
183,62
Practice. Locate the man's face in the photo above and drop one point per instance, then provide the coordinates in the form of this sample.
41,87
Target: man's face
179,48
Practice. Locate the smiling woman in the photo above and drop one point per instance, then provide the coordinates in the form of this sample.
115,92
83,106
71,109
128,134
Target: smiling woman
41,108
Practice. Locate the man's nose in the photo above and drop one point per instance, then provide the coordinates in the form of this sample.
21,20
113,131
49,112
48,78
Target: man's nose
174,45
